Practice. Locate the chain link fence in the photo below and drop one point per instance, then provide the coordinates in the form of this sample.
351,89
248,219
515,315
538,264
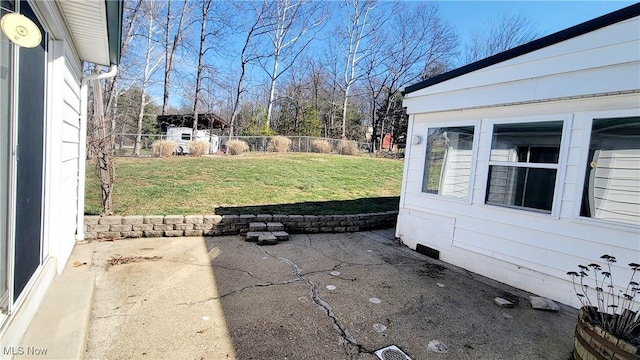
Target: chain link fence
123,144
303,144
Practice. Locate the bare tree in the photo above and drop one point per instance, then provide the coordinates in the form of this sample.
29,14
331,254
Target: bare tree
324,93
287,23
170,46
359,25
414,41
99,139
205,6
211,25
255,28
111,85
332,94
507,32
150,65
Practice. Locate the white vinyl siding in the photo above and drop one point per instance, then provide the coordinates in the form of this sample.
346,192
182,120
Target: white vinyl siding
449,161
526,249
602,61
455,178
616,186
592,76
611,189
70,152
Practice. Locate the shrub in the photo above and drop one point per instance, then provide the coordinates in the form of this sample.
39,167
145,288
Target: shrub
164,148
348,147
198,148
321,146
236,147
279,144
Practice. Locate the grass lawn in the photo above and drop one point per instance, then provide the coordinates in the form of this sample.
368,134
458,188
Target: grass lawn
312,184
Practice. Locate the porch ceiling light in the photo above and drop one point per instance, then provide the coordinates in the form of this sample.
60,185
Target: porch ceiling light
21,30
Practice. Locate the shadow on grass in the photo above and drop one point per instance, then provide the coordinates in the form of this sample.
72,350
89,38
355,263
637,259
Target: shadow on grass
334,207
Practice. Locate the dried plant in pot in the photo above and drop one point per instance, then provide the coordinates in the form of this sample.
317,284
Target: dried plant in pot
609,320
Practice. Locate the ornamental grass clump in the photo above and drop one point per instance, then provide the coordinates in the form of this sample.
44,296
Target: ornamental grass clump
197,147
616,311
348,147
237,147
164,148
321,146
279,144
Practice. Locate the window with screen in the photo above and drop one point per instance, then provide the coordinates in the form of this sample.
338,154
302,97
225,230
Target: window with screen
523,165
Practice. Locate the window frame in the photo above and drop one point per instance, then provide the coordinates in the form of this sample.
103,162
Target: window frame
587,120
559,167
474,157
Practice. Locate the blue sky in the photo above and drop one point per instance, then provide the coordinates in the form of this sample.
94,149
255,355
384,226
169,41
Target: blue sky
549,16
470,16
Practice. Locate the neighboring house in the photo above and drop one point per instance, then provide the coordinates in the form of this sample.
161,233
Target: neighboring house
42,144
523,165
387,140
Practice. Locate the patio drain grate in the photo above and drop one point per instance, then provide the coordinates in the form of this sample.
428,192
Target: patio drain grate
391,353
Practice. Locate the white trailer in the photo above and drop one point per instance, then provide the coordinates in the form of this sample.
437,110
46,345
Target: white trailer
182,136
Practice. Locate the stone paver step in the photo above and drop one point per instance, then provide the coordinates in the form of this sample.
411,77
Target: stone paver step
281,235
257,226
254,235
267,239
275,226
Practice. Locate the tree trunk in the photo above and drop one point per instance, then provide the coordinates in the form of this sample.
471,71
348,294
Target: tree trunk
272,91
104,162
136,145
170,51
148,69
344,113
203,35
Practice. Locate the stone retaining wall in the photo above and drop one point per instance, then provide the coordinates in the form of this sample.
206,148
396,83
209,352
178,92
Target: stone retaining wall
134,226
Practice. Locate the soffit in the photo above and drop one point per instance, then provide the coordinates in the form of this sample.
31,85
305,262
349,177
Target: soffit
87,21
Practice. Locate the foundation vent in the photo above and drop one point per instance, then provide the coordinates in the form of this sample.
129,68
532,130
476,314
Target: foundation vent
430,252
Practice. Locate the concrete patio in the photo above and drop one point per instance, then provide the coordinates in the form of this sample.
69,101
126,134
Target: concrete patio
321,296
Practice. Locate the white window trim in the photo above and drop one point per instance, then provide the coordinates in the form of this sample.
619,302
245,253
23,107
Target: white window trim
560,167
474,157
584,144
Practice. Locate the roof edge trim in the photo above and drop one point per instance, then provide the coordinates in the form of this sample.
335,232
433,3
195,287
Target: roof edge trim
114,10
562,35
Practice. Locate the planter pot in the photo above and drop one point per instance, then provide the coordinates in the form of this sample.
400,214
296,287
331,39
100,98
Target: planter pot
593,343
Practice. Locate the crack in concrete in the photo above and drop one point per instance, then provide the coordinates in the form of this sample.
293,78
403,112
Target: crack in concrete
239,290
343,333
234,269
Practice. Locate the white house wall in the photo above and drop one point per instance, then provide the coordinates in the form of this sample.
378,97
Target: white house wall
602,61
70,149
529,250
61,161
62,137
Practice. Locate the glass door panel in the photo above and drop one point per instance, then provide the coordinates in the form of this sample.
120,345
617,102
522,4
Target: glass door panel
6,57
